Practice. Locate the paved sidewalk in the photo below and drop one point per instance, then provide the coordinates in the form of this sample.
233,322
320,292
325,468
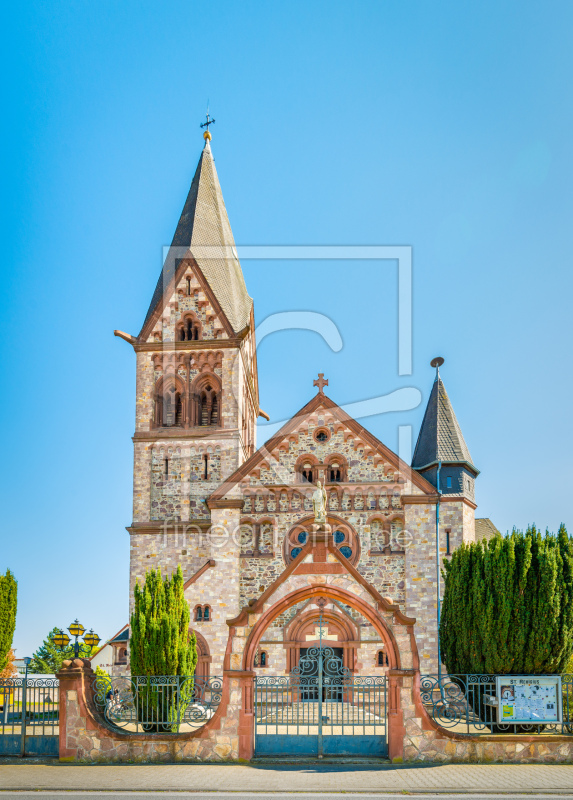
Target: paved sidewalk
330,779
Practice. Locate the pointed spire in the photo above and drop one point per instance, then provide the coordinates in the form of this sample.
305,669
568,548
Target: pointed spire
440,437
204,229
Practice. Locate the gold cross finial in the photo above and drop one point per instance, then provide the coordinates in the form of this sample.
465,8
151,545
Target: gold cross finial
321,382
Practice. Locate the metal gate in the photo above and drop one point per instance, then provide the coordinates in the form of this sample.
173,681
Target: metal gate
29,717
320,709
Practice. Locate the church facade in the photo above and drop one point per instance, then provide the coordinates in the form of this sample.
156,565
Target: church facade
322,533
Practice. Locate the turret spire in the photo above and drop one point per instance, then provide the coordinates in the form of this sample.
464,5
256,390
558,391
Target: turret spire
441,439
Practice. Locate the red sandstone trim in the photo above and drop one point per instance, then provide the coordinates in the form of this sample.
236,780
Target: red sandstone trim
242,618
321,590
230,502
385,602
207,565
322,400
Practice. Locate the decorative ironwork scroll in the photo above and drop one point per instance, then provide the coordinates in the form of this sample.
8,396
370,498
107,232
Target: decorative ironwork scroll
157,703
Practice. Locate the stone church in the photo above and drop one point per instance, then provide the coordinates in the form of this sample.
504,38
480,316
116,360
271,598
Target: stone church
261,565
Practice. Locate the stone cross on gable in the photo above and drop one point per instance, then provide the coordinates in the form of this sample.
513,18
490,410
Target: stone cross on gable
321,632
321,382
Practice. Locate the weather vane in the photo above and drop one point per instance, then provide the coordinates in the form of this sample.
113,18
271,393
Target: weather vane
209,121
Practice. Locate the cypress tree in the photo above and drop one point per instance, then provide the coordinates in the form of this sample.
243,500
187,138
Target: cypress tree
508,605
8,605
161,644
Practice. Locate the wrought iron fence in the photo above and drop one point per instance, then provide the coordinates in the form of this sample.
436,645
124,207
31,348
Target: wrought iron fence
468,704
29,716
158,703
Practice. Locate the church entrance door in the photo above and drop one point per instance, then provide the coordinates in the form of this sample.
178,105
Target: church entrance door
332,669
320,709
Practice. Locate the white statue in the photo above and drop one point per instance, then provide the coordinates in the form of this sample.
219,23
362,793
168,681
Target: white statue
319,504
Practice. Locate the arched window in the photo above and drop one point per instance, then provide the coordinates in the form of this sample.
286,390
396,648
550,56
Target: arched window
169,404
202,613
189,329
334,473
307,469
382,659
335,469
261,659
208,405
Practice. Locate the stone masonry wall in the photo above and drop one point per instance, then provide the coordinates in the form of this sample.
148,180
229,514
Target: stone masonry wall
84,737
218,586
420,567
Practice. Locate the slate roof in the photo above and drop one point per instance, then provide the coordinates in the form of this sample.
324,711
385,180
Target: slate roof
485,529
440,437
121,637
204,229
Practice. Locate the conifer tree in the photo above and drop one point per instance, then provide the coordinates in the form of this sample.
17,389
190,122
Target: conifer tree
160,642
8,605
508,605
161,645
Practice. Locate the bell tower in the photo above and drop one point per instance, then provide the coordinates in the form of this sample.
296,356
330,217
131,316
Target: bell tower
196,389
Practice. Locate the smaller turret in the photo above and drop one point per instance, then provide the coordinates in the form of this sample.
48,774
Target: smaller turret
441,441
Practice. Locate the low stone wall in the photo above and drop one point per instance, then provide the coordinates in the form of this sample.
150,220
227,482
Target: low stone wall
86,737
412,735
425,741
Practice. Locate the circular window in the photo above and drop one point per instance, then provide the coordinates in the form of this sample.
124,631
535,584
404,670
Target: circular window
322,435
343,537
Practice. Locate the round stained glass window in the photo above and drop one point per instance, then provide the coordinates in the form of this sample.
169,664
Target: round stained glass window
296,550
302,537
346,551
338,537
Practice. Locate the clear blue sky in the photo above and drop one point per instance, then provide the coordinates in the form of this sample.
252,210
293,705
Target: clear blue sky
444,126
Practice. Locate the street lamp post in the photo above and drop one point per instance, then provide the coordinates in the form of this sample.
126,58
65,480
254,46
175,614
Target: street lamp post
76,629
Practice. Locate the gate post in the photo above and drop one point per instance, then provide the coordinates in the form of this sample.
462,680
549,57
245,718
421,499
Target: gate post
396,730
246,731
71,676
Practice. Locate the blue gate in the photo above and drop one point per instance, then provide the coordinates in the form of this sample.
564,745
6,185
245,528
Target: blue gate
320,709
29,717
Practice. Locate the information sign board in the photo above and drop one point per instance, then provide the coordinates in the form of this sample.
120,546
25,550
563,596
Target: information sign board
529,698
